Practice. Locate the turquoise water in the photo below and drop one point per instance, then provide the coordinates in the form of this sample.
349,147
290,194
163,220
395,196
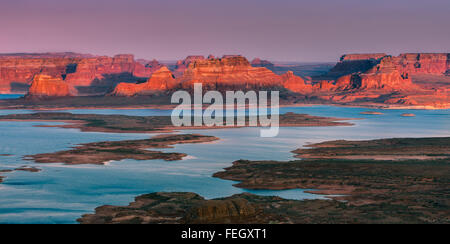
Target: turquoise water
10,96
61,194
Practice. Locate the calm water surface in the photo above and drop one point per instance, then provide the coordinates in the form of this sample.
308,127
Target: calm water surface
10,96
61,194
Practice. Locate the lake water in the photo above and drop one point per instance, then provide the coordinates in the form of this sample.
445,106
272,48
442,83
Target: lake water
10,96
61,193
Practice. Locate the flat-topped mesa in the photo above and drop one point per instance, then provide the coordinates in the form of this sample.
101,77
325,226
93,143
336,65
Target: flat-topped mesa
295,83
362,56
370,72
48,86
162,80
257,62
229,72
410,63
351,63
382,76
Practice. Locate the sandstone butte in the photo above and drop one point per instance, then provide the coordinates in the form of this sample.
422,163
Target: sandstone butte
160,81
228,72
48,86
78,70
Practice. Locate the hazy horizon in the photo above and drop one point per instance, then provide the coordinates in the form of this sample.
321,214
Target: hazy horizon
281,31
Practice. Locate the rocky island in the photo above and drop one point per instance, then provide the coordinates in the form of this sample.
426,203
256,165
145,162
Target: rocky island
102,152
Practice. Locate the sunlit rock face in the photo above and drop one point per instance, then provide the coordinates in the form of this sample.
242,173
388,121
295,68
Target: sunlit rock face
423,63
48,86
101,68
229,72
295,83
17,70
160,81
382,76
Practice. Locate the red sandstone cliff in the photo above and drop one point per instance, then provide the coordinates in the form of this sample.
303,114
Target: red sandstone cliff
48,86
410,63
17,70
423,63
386,79
91,69
376,78
382,76
228,72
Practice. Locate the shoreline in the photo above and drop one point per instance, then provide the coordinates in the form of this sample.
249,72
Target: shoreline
158,124
55,107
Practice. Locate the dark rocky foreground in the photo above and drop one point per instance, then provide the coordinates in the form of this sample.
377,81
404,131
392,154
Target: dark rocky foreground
371,191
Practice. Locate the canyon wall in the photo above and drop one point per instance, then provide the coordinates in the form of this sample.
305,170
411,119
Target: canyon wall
356,77
388,79
17,73
77,70
229,72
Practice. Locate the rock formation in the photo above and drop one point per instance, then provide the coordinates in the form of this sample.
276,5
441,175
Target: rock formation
409,63
160,81
407,79
17,70
228,72
382,76
423,63
89,70
295,83
48,86
257,62
182,65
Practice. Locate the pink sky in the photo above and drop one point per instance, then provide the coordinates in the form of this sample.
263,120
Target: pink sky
281,30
